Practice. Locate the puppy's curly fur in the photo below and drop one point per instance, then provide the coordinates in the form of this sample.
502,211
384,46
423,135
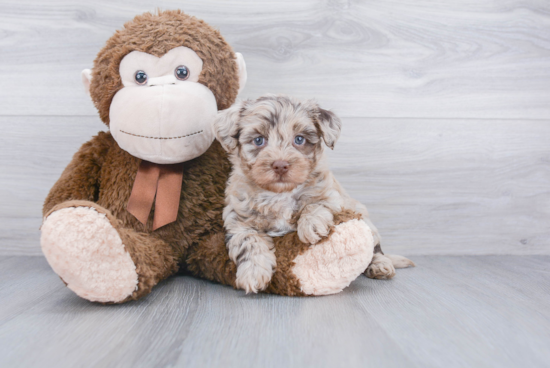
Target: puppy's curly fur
280,182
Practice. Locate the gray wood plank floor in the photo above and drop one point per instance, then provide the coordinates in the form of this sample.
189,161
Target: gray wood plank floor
462,311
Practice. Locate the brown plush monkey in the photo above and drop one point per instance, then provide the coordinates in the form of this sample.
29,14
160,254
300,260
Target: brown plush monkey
144,200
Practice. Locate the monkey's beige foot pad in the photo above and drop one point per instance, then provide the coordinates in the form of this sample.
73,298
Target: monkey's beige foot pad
330,266
85,250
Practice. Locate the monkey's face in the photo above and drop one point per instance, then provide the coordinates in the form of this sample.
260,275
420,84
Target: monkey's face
159,82
162,114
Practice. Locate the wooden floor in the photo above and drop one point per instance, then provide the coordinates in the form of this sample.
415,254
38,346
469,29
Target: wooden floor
450,311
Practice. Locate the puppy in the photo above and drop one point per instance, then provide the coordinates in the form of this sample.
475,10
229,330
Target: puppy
280,182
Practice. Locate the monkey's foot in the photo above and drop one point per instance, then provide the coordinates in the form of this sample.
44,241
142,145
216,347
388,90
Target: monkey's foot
331,265
86,251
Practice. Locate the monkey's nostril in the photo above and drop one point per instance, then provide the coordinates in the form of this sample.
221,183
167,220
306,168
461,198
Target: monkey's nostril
280,167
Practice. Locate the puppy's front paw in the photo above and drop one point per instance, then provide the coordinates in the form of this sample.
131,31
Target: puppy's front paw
255,260
314,225
254,276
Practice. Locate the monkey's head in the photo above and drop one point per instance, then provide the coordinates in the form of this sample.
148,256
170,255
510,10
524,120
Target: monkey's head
159,82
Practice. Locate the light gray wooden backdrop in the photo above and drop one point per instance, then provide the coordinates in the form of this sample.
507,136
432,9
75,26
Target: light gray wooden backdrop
446,106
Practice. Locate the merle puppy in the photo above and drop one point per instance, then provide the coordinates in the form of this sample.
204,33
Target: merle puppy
280,182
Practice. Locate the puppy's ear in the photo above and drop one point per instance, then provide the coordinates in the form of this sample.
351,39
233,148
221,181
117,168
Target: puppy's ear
226,126
330,126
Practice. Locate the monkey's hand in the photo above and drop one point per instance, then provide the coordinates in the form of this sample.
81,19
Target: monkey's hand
314,223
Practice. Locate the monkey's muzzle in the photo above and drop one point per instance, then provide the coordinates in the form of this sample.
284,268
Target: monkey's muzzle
165,123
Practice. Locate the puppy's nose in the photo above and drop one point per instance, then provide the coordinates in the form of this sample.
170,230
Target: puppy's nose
280,167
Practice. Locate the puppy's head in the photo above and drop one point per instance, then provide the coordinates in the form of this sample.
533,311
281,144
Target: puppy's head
276,140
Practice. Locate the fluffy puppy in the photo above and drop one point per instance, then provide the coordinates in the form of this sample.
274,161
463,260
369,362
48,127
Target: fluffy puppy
280,182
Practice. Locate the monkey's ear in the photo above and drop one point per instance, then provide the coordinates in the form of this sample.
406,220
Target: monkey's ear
241,66
330,126
86,79
226,126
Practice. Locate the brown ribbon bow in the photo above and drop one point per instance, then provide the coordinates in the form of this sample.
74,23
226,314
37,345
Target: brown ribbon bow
164,181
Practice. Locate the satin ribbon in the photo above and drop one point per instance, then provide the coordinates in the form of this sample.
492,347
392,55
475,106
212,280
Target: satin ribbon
160,181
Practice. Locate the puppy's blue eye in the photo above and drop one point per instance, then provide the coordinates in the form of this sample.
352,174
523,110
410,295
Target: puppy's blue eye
181,72
259,141
140,77
299,140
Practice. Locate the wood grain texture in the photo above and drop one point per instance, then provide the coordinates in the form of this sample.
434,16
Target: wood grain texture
432,186
450,186
35,151
398,58
480,311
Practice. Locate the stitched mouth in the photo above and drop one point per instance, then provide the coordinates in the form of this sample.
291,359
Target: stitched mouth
148,137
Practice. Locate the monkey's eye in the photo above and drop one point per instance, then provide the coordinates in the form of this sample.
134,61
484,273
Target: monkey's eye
140,77
299,140
181,72
259,141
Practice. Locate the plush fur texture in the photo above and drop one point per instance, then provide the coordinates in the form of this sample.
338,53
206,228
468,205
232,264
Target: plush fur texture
325,268
157,34
86,251
348,251
101,175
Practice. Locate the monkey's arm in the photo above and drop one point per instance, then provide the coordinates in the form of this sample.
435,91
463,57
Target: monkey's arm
80,179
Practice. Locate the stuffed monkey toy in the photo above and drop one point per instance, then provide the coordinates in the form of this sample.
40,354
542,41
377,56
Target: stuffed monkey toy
144,200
